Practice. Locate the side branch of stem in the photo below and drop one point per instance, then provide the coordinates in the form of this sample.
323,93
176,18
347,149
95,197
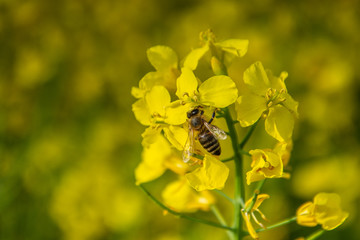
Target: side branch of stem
315,235
284,222
248,135
183,215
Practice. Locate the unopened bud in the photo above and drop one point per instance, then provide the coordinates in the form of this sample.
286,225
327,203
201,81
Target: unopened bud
218,67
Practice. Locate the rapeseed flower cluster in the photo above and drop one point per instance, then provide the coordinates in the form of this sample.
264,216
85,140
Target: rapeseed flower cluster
166,133
165,99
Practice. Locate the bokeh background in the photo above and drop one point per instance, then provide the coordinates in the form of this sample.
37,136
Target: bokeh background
69,142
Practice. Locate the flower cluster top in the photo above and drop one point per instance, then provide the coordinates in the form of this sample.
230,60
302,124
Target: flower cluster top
166,95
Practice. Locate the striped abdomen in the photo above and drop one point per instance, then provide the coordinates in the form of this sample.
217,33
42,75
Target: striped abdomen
208,141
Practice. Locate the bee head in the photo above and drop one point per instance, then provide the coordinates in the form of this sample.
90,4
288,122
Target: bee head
194,112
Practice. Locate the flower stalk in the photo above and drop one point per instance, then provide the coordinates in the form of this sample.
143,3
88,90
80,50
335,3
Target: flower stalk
181,215
221,219
315,235
239,189
279,224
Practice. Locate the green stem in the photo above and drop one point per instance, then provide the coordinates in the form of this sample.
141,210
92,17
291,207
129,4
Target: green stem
183,215
286,221
239,190
256,193
248,135
224,195
221,219
244,152
315,235
228,159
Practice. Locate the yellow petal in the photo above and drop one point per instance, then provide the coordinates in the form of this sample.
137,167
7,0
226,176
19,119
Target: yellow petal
237,47
249,226
192,59
290,104
177,165
162,57
157,99
256,79
176,112
141,112
328,211
305,215
334,222
253,176
258,158
180,197
266,164
275,170
186,84
150,80
279,123
146,173
150,135
277,83
137,92
249,108
284,149
259,200
211,175
218,91
153,158
177,136
272,158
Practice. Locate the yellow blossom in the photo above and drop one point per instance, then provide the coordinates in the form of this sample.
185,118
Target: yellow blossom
165,61
212,174
156,158
151,109
217,91
180,197
267,95
249,213
285,149
224,51
266,163
324,210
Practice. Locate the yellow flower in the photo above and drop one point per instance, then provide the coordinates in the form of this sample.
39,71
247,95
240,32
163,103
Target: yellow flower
266,163
165,61
217,91
285,149
152,108
248,214
180,197
224,51
324,210
267,95
158,156
212,174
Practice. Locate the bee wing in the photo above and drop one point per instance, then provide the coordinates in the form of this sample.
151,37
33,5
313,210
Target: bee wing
217,132
189,146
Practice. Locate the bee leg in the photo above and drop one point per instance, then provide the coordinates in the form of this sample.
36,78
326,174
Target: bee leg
212,117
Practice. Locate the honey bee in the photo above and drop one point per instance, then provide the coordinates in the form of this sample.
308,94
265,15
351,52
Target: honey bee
199,129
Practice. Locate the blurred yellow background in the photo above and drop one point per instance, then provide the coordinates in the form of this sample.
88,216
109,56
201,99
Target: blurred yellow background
69,142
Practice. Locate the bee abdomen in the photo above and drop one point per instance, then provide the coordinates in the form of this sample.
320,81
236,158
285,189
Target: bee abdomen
210,143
